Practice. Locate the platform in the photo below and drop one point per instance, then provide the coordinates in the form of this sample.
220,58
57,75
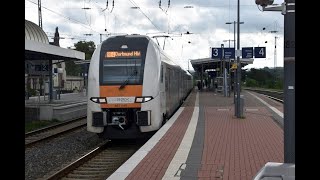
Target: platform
204,140
69,106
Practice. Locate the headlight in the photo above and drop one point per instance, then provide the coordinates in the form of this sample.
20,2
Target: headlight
103,100
139,99
98,99
143,99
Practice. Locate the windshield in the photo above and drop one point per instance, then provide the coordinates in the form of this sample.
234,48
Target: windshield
118,71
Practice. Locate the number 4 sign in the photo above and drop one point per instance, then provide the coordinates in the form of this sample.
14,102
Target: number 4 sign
260,52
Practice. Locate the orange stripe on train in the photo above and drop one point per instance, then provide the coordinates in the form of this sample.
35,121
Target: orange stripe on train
127,91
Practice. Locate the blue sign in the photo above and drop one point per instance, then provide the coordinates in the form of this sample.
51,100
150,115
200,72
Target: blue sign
260,52
216,53
247,52
229,53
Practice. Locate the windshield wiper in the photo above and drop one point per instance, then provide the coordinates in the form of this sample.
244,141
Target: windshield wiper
124,83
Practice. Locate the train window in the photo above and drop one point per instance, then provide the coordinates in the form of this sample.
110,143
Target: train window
161,74
116,71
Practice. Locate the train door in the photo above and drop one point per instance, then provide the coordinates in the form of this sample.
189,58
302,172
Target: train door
174,87
162,90
167,89
179,84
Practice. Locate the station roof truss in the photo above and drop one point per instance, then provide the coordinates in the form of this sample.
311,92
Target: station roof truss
209,63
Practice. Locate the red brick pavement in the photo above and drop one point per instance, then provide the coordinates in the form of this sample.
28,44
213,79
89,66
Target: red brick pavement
156,162
236,149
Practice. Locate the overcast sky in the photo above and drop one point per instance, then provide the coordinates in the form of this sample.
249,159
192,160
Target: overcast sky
206,21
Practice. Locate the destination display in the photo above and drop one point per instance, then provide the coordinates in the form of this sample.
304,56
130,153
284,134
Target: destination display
123,54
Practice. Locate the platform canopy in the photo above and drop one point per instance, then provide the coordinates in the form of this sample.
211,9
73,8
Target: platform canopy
208,63
37,46
39,51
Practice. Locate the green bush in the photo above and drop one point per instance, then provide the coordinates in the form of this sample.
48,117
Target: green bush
33,125
32,92
251,82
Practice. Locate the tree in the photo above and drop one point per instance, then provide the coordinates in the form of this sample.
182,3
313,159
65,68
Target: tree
83,46
265,78
86,47
251,82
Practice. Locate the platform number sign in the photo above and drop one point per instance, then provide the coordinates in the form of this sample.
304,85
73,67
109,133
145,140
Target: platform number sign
260,52
216,53
229,53
247,52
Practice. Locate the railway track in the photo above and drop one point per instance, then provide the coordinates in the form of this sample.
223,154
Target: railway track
101,162
34,137
275,95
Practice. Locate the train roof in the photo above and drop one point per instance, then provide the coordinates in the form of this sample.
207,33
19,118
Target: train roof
169,59
130,36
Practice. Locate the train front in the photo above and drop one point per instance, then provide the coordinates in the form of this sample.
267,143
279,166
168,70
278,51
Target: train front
115,88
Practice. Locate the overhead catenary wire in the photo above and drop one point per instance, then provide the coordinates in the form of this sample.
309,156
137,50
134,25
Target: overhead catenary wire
107,6
68,18
165,11
112,6
134,4
85,13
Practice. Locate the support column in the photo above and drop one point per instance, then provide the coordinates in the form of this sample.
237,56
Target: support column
201,84
50,81
234,72
289,82
239,64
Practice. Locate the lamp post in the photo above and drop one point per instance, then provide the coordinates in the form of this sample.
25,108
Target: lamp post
229,68
275,56
234,31
289,82
238,62
234,37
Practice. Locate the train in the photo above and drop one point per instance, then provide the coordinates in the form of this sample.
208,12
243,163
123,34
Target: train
134,87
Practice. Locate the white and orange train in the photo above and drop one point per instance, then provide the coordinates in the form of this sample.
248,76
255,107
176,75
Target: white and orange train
133,87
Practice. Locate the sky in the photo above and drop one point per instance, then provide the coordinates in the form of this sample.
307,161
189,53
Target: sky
205,20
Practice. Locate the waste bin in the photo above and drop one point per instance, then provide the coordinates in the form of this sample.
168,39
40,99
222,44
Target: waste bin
241,104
